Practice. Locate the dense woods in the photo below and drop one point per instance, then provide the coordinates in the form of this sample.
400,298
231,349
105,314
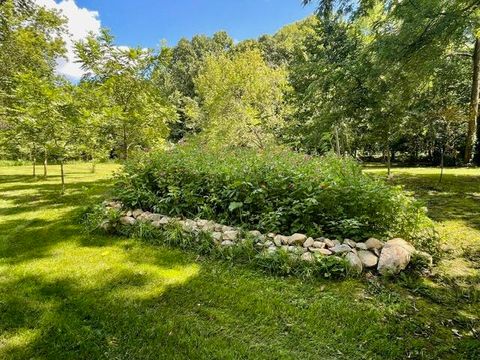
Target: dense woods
375,80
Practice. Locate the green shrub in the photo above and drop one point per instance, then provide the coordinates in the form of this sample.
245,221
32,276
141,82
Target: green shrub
272,190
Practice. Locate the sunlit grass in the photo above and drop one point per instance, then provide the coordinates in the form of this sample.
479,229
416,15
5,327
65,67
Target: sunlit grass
68,295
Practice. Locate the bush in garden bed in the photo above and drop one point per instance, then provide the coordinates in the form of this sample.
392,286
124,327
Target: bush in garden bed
272,190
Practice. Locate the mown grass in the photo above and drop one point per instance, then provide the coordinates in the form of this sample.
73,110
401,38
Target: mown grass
68,295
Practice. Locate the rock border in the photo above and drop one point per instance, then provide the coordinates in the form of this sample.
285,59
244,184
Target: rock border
387,258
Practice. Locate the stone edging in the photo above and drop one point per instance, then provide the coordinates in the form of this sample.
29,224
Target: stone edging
388,258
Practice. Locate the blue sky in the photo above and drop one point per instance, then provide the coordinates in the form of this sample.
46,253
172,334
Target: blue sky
146,22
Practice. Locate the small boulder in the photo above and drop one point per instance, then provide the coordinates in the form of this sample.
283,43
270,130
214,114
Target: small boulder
373,243
226,228
154,217
307,257
329,243
321,251
319,244
350,243
255,233
361,246
340,249
217,236
230,235
308,243
227,243
297,239
280,240
137,212
127,220
393,259
402,243
367,258
354,262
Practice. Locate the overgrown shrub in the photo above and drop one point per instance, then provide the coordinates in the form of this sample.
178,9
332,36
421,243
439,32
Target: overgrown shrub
272,190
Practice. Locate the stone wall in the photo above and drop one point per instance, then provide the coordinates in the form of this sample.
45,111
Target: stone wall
387,258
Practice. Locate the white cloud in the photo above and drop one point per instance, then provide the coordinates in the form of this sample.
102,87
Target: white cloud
81,21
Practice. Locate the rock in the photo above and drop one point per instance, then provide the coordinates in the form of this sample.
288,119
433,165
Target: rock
292,248
269,243
321,251
367,258
307,257
154,217
217,236
137,212
350,243
329,243
226,228
280,240
129,213
105,225
271,235
297,239
340,249
114,205
272,249
319,244
127,220
230,235
164,221
308,243
255,233
189,225
336,242
373,243
354,262
393,259
218,227
227,243
402,243
361,246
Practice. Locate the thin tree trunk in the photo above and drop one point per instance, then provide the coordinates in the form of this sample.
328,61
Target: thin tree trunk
62,174
337,141
442,156
45,164
472,120
389,162
125,144
93,166
34,161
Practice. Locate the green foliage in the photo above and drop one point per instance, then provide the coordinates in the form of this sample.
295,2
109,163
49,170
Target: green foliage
272,190
241,99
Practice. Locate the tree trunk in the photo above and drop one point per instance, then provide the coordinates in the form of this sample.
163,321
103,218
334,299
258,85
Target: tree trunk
389,162
472,120
45,164
125,143
337,141
442,156
62,174
34,161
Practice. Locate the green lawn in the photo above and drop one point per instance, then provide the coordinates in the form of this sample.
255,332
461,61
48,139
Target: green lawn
67,295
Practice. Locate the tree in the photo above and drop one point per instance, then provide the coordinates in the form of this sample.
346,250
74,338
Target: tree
241,99
136,110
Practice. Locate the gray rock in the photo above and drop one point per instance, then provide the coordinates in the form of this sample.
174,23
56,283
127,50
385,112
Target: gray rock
350,243
218,227
164,221
354,262
393,259
321,251
226,228
319,244
307,257
255,233
373,243
308,243
361,246
367,258
402,243
269,243
279,240
424,257
297,239
292,248
137,212
340,249
129,213
230,235
227,243
272,249
145,216
154,217
217,236
329,243
271,235
127,220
